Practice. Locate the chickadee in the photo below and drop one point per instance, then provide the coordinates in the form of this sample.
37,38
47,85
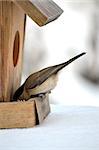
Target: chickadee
41,82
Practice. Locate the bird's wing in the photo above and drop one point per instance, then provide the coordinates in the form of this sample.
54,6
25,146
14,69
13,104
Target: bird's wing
38,78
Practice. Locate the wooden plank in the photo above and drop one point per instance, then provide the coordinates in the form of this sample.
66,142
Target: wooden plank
23,114
5,11
42,107
41,11
11,22
17,114
18,24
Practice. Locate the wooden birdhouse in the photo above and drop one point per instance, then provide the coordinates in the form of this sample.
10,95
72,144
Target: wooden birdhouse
12,31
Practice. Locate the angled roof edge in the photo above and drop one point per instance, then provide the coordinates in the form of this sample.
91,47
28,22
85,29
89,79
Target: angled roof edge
41,11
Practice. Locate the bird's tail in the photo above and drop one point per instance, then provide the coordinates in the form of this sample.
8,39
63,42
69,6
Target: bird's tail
61,66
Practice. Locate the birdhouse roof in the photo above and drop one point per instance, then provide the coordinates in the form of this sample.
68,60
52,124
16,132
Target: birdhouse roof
41,11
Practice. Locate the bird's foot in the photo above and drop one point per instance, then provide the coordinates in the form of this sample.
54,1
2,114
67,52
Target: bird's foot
42,95
21,100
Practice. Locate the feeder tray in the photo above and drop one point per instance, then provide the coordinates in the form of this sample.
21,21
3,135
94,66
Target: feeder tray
12,30
24,113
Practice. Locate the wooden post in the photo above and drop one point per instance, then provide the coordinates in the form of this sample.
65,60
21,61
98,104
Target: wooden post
12,24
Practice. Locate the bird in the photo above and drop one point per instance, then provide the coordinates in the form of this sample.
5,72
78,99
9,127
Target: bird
41,82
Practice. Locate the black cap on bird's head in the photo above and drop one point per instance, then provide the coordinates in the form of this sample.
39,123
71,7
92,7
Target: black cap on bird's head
18,92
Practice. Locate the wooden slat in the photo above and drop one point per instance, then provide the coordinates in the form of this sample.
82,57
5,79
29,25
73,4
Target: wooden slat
42,107
41,11
17,114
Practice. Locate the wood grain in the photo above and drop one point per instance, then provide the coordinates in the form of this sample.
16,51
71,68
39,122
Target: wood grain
41,11
17,114
11,21
23,114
